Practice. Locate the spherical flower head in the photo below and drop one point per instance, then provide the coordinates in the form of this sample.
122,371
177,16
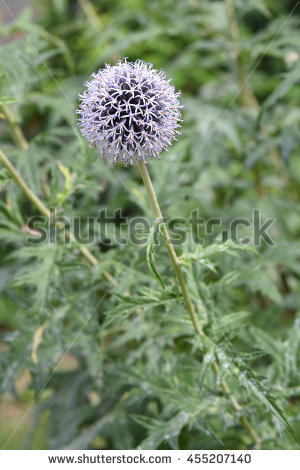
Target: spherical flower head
129,112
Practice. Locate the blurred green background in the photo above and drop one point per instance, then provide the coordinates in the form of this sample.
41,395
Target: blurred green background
128,375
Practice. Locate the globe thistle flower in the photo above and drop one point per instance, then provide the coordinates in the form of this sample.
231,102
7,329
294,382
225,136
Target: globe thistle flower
129,112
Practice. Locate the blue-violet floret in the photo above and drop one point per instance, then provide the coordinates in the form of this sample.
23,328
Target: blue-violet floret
129,112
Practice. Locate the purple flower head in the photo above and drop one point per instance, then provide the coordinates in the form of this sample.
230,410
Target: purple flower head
129,112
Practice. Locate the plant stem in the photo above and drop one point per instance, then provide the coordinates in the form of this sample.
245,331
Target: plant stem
47,213
248,99
19,180
23,144
247,96
15,128
189,304
172,253
91,14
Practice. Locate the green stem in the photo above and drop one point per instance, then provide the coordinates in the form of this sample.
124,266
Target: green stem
172,253
23,144
90,13
189,304
15,128
19,180
247,96
248,99
47,213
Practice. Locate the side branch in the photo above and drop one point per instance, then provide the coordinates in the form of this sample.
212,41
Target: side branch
46,212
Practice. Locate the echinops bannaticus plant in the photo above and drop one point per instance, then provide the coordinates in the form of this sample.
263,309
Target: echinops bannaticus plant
130,112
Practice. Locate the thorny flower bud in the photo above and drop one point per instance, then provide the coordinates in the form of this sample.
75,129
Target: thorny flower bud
129,112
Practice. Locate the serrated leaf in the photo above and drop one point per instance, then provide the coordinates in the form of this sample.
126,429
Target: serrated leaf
291,77
228,324
36,272
202,254
152,241
258,281
160,431
250,382
68,185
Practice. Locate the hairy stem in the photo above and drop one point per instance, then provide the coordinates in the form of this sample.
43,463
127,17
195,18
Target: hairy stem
189,304
172,253
23,144
15,128
90,13
248,98
47,213
19,180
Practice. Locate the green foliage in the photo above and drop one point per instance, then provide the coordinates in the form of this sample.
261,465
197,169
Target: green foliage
153,240
117,365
